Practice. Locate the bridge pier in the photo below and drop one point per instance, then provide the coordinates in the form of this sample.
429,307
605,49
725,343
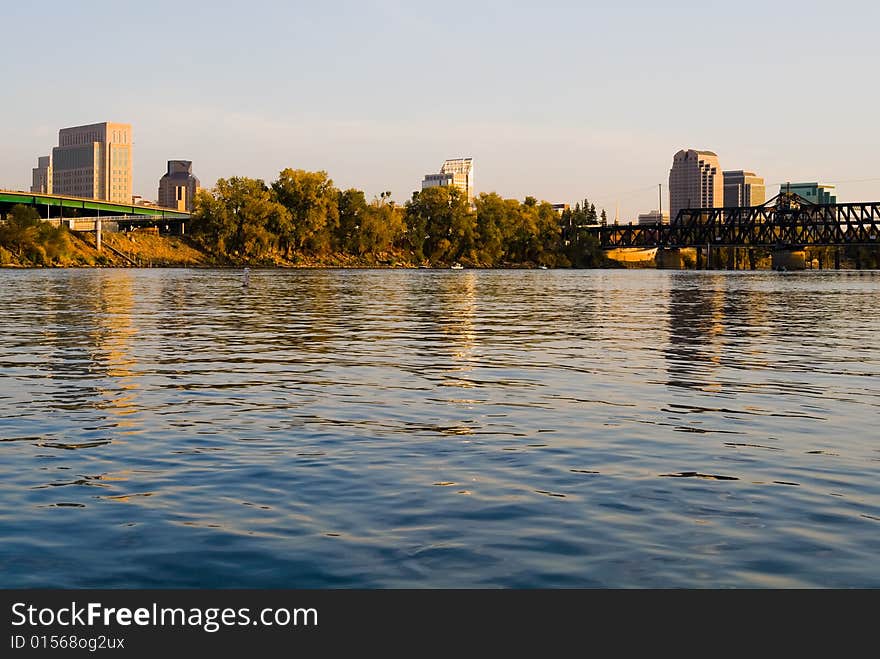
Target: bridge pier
837,259
788,259
669,258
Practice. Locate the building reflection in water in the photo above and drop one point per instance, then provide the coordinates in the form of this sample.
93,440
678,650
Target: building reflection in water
89,337
707,315
112,340
460,302
696,327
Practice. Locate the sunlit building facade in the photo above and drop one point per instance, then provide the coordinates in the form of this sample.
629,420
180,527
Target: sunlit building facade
743,189
458,172
178,187
42,176
94,161
695,181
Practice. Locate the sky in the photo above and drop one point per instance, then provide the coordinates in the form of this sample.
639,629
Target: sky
557,100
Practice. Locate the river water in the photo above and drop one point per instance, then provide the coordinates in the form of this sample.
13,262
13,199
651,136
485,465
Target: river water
421,428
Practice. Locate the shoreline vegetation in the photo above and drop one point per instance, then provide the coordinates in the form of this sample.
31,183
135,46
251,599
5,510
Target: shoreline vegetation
302,220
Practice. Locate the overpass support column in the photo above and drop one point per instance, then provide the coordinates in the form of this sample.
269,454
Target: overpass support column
98,233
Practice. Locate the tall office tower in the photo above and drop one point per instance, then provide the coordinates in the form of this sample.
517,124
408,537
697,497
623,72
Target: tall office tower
178,187
42,175
458,172
94,161
695,181
743,189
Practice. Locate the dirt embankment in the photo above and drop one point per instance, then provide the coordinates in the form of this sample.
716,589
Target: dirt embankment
135,249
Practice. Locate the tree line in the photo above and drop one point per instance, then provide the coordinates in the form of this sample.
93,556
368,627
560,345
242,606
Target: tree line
302,215
26,240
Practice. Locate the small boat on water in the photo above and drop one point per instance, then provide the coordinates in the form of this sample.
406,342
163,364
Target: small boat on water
456,266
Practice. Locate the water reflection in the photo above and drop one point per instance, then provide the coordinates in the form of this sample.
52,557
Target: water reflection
696,313
436,428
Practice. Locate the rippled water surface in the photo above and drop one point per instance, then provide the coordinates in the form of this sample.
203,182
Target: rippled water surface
439,429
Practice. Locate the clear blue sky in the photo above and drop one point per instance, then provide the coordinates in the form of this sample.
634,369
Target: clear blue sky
552,99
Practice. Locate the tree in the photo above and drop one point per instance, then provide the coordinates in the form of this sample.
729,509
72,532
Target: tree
440,225
22,217
32,240
493,222
352,207
382,226
548,234
240,217
312,201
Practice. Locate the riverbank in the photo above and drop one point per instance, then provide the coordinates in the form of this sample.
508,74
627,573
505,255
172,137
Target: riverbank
61,248
133,249
143,249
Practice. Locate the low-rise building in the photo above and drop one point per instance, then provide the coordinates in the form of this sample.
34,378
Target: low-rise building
654,217
815,193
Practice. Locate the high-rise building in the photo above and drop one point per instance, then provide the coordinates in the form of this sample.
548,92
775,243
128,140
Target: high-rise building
94,161
695,181
458,172
42,175
178,187
743,189
816,193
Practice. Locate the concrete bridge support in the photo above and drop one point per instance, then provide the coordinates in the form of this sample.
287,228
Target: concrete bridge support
788,259
669,258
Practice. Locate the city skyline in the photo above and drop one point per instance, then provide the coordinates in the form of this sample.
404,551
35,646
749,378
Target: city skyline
558,102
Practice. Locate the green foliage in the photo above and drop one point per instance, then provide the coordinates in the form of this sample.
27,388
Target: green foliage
22,217
302,215
382,226
241,219
313,204
440,225
25,238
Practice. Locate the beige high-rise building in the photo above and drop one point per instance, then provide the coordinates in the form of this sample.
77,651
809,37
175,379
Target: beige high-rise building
695,181
42,176
94,161
178,187
743,189
458,172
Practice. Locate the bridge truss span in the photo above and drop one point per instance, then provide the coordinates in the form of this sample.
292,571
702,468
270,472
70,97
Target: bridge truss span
781,222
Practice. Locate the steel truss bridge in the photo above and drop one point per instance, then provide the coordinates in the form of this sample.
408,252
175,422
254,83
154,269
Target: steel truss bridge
784,222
